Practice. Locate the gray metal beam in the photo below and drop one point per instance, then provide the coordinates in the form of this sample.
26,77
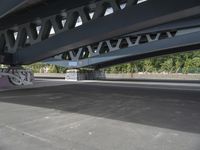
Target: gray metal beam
182,43
172,45
134,18
190,22
41,10
7,6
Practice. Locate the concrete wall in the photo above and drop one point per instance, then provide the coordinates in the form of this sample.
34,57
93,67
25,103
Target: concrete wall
154,76
102,75
4,82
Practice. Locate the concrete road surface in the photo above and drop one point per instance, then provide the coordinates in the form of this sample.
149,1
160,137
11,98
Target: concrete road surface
101,115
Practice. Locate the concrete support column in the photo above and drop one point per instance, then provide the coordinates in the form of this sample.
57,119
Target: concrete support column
17,76
77,75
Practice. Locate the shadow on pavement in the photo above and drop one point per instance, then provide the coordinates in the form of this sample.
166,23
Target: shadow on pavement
172,109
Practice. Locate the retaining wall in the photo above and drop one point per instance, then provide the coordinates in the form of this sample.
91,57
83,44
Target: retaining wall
4,82
101,75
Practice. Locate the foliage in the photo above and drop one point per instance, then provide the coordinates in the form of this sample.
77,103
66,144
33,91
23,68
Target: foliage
187,62
45,68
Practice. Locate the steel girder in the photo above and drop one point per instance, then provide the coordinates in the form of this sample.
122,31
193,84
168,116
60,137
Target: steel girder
29,46
116,24
8,6
34,9
27,35
167,46
190,22
128,48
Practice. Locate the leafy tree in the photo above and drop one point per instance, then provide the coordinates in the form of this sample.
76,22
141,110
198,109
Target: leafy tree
148,66
167,65
187,62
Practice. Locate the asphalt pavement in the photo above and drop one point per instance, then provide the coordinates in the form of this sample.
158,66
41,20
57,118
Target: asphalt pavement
100,115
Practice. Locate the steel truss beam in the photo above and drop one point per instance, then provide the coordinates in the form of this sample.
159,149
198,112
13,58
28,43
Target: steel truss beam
113,45
26,35
30,46
156,12
40,9
182,43
124,48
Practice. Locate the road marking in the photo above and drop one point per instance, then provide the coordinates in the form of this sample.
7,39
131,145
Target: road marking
28,134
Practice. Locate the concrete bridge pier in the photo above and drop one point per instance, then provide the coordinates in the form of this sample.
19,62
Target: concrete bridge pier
15,76
77,75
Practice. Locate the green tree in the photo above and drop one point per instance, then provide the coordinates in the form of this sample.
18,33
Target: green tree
148,67
167,66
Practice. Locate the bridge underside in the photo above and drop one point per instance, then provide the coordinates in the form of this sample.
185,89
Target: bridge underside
96,33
